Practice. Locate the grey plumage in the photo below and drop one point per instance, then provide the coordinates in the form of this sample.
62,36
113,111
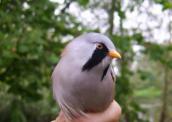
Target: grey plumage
79,91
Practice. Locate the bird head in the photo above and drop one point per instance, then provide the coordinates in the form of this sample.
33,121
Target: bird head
91,51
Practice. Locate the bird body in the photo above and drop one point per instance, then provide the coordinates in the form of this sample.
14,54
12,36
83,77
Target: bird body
82,80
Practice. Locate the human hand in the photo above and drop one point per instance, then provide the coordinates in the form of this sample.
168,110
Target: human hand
111,114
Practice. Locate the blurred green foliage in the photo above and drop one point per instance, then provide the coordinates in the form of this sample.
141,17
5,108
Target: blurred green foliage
29,48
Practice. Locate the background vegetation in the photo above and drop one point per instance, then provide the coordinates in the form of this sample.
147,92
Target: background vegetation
33,33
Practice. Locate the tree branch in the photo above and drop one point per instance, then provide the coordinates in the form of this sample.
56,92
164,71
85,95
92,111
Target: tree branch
66,6
111,17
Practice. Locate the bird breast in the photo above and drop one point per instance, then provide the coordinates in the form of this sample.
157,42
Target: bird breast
84,91
82,79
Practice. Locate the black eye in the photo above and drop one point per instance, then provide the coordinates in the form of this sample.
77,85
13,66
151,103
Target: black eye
99,46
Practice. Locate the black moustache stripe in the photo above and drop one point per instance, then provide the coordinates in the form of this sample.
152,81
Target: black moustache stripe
96,58
104,72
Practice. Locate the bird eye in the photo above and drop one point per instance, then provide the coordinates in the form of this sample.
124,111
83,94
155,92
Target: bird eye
99,46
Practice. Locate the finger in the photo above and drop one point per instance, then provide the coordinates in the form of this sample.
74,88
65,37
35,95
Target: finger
111,114
60,118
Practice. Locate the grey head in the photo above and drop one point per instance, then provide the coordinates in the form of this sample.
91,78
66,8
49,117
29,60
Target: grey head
92,51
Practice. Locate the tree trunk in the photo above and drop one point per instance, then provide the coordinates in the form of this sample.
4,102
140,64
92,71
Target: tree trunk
163,115
111,17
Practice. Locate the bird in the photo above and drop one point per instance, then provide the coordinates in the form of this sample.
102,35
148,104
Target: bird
83,79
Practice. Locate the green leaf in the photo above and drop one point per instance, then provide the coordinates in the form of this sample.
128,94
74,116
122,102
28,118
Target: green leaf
144,75
167,5
83,2
148,92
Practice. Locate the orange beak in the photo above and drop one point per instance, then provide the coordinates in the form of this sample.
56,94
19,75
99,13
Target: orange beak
114,54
